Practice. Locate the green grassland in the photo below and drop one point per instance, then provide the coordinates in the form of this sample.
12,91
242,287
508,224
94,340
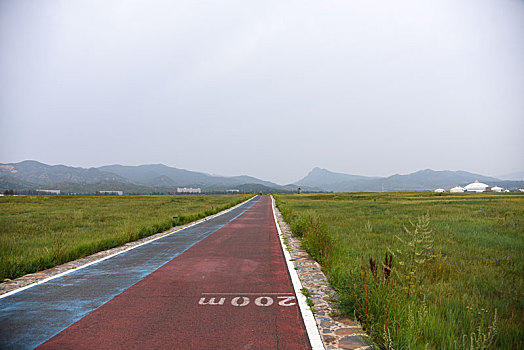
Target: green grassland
421,270
39,232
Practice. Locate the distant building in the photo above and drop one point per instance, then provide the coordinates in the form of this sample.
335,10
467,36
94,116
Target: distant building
477,187
49,191
188,190
118,193
233,191
457,189
497,189
439,190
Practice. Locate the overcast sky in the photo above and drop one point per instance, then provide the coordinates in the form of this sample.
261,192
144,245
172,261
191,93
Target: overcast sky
265,88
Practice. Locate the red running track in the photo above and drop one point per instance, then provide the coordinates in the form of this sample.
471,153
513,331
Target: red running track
232,290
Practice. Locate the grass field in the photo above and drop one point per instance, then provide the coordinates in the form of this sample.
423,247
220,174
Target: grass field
421,270
39,232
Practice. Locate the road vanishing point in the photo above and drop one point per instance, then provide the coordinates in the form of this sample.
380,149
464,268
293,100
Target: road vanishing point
220,284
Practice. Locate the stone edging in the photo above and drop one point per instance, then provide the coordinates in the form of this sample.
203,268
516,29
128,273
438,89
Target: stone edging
336,332
37,277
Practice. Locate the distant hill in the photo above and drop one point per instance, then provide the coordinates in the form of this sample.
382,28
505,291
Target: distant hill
430,179
157,174
423,180
161,175
161,181
322,177
330,181
12,183
33,172
31,175
142,179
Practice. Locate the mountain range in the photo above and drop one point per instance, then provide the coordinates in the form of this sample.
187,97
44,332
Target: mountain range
29,175
423,180
143,179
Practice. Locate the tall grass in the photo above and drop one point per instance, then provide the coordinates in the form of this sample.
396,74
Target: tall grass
421,270
39,232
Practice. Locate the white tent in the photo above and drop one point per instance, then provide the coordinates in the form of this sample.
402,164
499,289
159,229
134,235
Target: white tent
476,187
457,189
439,190
497,189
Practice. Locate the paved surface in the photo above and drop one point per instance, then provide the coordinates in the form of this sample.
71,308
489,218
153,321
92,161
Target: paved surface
231,290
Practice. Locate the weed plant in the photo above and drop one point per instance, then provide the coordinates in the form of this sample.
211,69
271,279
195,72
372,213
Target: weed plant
39,232
420,270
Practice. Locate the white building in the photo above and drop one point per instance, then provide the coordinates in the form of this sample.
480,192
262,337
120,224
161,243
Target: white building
476,187
233,191
497,189
457,189
439,190
49,191
188,190
119,193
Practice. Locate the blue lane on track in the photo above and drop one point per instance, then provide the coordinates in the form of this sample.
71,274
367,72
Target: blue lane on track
34,315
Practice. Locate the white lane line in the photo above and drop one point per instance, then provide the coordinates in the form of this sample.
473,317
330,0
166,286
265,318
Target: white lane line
120,252
307,315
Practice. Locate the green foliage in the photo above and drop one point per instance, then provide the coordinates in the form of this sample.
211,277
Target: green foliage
313,234
305,292
415,251
39,232
480,339
309,302
451,279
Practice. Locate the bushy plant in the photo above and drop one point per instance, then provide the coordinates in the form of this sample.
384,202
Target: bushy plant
313,234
